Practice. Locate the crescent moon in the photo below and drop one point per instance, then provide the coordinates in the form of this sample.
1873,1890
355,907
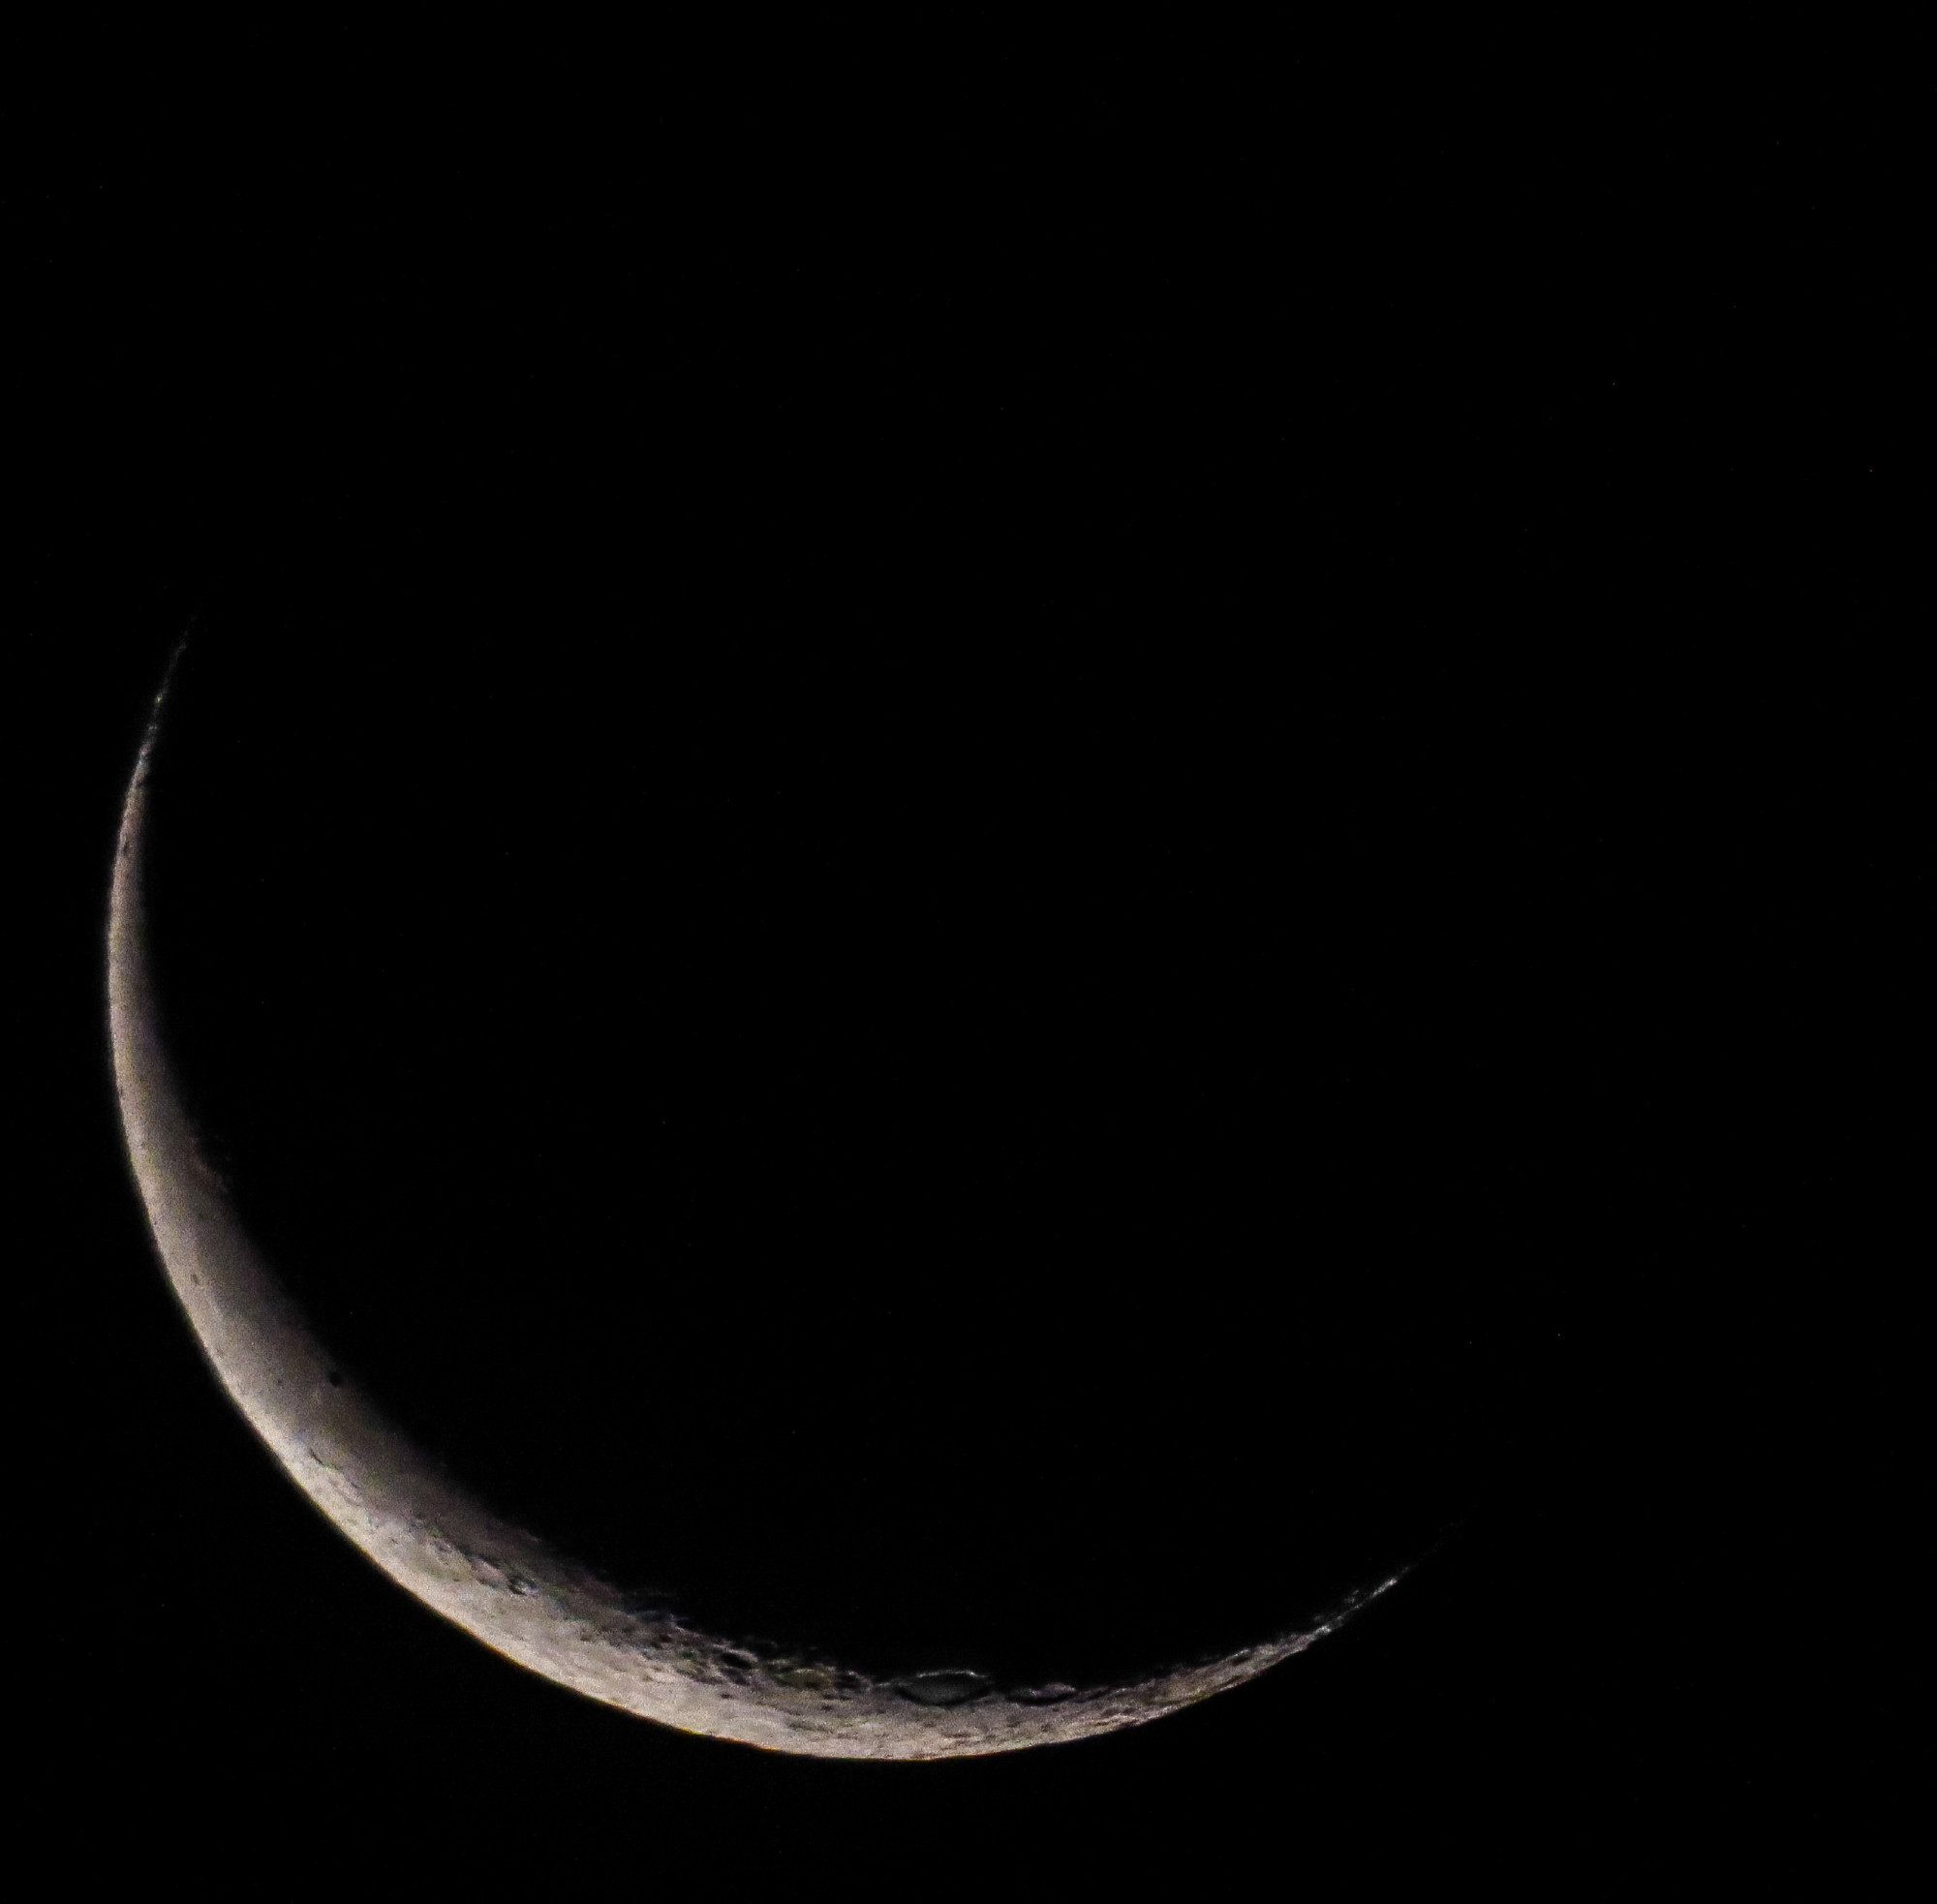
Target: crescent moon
505,1586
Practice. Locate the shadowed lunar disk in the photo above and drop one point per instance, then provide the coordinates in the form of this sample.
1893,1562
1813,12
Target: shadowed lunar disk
547,1602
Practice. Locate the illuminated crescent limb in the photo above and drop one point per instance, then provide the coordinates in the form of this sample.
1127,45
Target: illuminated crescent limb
505,1587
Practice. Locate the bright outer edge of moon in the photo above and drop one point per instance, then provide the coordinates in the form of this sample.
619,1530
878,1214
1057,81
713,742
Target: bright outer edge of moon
503,1586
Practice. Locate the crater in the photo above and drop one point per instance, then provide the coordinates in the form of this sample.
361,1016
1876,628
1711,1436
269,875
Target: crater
943,1688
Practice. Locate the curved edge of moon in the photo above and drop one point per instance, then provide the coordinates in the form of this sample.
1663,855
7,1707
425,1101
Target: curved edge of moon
503,1586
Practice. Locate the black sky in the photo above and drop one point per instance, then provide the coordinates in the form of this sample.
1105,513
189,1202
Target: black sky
1459,568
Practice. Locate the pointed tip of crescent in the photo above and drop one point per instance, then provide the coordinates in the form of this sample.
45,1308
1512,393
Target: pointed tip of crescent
157,707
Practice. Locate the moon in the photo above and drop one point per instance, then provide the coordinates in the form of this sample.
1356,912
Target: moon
507,1587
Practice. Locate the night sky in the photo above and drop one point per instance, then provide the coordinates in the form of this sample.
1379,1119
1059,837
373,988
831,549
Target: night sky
1093,894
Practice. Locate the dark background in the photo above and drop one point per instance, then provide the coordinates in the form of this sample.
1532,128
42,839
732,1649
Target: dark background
1188,848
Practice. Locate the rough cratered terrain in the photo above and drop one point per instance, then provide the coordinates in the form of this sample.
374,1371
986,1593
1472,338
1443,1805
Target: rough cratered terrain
507,1588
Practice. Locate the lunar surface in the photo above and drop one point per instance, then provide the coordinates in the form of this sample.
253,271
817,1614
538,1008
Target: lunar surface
507,1588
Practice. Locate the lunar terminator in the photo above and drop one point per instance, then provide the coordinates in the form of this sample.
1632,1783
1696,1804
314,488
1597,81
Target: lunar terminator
506,1585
